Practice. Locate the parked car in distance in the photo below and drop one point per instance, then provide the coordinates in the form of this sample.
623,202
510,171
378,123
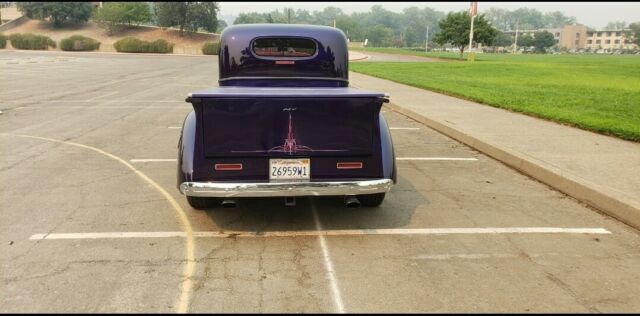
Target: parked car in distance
284,122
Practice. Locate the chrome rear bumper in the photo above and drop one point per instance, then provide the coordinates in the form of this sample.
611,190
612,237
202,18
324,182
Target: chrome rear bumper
266,189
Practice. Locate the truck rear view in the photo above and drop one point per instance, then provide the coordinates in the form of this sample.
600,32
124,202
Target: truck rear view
283,122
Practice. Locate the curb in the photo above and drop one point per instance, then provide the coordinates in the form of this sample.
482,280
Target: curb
363,58
601,198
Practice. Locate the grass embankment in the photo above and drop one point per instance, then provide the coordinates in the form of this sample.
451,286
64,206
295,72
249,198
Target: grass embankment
593,92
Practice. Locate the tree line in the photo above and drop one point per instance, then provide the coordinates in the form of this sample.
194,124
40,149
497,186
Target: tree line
382,28
190,16
402,29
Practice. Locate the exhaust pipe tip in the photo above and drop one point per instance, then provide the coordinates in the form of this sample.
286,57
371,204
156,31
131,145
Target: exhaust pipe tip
228,203
351,202
290,201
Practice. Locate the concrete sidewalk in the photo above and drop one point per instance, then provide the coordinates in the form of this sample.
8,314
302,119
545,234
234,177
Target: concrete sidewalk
601,171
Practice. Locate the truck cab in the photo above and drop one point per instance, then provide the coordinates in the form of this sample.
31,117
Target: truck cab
284,122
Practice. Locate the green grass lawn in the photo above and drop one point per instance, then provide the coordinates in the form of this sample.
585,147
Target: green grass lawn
600,93
403,51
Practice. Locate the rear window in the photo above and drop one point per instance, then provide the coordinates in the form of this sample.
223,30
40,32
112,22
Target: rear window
284,47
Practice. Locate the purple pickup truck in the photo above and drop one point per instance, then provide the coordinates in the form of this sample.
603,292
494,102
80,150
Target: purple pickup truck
284,122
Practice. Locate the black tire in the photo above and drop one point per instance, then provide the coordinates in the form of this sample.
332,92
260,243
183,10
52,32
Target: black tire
371,200
201,203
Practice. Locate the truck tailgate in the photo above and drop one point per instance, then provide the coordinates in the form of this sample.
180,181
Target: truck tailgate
287,122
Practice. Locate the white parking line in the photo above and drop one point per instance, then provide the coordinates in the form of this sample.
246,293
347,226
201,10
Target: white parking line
113,101
153,160
328,264
343,232
404,128
436,158
464,256
108,107
186,287
174,127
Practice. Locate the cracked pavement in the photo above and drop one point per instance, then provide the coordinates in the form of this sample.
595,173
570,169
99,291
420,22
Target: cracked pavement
125,104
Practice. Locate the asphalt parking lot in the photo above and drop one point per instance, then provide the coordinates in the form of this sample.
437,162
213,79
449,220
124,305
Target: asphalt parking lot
82,230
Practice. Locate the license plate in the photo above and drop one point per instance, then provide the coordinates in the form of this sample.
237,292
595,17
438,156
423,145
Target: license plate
289,169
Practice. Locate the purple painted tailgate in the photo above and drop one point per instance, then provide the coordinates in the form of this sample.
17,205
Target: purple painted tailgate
276,122
329,124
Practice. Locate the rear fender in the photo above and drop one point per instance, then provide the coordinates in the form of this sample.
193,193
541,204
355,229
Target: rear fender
388,154
186,149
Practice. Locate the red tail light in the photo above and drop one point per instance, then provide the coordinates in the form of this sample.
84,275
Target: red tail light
349,165
228,166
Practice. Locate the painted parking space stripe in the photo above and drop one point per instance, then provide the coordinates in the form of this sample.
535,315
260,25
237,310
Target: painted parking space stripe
153,160
174,127
319,232
435,159
100,107
486,256
328,264
92,99
182,305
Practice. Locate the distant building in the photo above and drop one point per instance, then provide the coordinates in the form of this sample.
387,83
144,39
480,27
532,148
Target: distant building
575,37
609,39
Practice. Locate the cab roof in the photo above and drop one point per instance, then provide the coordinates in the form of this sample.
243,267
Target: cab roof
238,61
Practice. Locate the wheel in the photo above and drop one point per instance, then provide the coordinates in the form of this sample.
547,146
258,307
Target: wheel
371,200
202,202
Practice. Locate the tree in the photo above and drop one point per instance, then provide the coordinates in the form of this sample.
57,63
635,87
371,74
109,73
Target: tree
290,15
527,18
525,40
109,17
348,26
250,18
502,40
500,18
633,34
543,40
303,16
617,25
454,29
380,36
202,15
415,22
135,12
557,19
113,15
382,16
189,16
57,12
326,16
222,24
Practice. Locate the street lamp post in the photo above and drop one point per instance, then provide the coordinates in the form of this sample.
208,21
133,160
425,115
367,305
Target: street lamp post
426,44
515,43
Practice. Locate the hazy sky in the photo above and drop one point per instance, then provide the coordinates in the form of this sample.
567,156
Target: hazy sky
595,14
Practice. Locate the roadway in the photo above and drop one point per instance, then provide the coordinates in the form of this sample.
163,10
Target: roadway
85,226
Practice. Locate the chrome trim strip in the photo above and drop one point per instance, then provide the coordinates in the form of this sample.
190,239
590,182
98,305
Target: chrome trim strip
266,189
